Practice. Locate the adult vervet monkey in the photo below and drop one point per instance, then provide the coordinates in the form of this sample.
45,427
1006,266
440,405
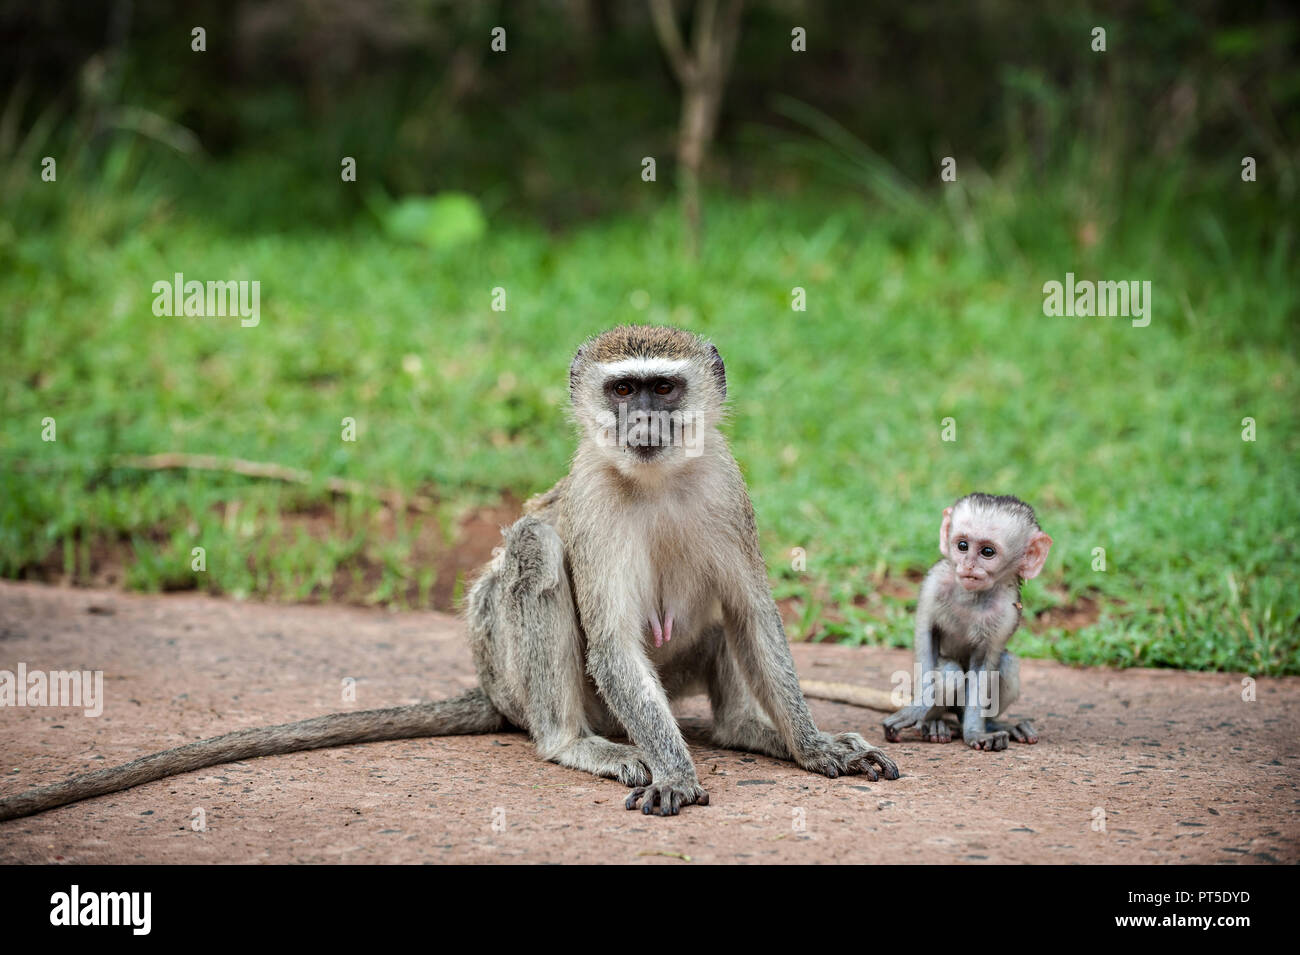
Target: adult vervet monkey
644,563
634,580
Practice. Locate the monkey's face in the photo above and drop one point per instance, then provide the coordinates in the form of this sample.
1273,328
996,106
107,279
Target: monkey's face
983,549
646,418
978,562
648,397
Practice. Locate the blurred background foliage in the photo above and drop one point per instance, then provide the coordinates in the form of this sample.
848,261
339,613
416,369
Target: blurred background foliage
547,131
522,169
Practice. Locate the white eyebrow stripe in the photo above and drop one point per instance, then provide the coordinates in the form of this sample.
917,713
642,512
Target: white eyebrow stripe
644,367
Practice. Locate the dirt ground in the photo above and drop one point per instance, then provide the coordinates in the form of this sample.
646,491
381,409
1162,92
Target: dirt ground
1138,766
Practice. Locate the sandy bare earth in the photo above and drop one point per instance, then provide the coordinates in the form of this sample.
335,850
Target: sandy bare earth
1176,765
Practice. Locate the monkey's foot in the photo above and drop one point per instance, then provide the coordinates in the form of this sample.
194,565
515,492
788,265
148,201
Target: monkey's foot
1022,732
989,742
905,718
597,755
936,731
625,765
848,754
670,797
631,772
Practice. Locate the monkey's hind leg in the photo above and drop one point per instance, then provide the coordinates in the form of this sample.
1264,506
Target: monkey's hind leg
1008,693
738,722
935,728
932,721
539,661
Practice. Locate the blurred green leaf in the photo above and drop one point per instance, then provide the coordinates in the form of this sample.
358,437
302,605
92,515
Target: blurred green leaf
441,222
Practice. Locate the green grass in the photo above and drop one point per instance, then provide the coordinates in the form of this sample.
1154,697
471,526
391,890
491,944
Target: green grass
1127,439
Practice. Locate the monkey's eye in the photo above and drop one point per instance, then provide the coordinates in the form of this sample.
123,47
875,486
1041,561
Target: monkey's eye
663,386
987,551
963,546
623,389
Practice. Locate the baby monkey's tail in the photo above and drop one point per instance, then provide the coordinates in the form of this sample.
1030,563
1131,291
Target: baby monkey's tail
471,712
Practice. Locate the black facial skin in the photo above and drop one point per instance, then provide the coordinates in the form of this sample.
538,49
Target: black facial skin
656,395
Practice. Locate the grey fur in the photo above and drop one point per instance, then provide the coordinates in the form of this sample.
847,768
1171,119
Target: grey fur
675,536
963,630
558,620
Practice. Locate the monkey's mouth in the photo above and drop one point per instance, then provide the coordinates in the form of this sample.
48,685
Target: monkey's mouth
646,452
970,582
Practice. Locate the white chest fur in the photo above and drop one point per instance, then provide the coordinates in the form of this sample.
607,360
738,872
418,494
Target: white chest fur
679,583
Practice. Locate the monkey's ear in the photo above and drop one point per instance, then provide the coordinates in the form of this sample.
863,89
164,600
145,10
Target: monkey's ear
1031,565
719,369
943,531
573,370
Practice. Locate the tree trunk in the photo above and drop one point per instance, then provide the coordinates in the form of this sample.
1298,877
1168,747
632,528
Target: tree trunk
702,72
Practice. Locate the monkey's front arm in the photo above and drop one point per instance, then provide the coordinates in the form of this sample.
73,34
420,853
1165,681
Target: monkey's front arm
927,660
632,691
973,731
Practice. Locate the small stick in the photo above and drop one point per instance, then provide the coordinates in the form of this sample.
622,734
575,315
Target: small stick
277,472
868,697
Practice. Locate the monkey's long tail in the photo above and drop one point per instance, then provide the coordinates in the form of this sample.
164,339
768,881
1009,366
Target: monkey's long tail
471,712
865,696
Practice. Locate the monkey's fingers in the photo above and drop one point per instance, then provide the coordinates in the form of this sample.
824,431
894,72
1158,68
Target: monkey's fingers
866,769
936,731
863,763
670,803
990,742
888,768
669,799
1024,733
906,718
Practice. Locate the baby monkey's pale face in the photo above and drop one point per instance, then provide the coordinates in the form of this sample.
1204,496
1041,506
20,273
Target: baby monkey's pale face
990,544
979,560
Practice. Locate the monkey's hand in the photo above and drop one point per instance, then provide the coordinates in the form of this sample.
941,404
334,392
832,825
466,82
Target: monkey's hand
906,718
671,795
990,742
847,754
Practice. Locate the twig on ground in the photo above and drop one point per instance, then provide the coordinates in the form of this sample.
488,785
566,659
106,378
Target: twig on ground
176,460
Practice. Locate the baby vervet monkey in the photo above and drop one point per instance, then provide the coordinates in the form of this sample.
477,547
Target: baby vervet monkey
968,609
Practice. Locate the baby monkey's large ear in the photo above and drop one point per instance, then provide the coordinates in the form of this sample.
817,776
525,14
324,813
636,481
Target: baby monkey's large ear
943,531
1035,555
